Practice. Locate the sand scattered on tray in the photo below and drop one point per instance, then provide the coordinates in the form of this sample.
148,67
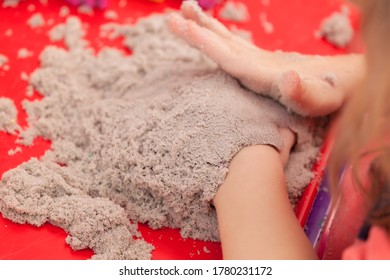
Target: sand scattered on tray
3,60
85,10
337,28
8,116
109,30
31,7
111,15
10,3
24,53
8,32
113,30
146,137
71,32
64,11
266,24
12,152
235,11
36,20
24,76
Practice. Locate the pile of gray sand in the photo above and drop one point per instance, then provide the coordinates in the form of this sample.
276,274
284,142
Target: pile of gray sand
146,138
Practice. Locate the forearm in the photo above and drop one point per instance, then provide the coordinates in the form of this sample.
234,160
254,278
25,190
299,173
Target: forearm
256,220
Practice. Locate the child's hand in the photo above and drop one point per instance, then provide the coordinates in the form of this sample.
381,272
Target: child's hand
306,85
255,217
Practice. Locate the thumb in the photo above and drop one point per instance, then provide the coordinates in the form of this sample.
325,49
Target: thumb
289,139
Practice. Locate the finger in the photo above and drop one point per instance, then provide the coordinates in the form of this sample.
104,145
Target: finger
233,57
178,25
191,10
210,43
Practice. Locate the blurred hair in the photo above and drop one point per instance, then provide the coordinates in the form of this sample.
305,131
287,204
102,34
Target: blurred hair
364,124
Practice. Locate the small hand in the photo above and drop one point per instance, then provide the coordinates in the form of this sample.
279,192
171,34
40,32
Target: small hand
304,84
253,195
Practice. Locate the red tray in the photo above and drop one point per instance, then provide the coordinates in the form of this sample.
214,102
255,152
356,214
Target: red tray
294,22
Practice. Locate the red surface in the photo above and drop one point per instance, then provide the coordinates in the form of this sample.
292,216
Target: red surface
295,22
304,205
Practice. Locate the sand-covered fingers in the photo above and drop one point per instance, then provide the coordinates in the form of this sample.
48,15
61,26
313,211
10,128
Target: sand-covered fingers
199,37
240,60
218,48
191,10
304,84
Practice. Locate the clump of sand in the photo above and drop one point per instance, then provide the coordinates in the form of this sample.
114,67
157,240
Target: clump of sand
13,152
337,28
3,60
70,32
85,9
8,116
64,11
235,11
24,53
146,137
266,24
111,15
10,3
36,20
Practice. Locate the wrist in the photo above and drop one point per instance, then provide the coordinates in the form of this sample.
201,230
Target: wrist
250,167
254,155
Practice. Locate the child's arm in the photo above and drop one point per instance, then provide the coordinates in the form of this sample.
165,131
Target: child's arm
307,84
255,217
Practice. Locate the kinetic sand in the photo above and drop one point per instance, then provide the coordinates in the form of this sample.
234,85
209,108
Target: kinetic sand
8,116
24,53
10,3
36,20
146,138
337,28
3,60
235,11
